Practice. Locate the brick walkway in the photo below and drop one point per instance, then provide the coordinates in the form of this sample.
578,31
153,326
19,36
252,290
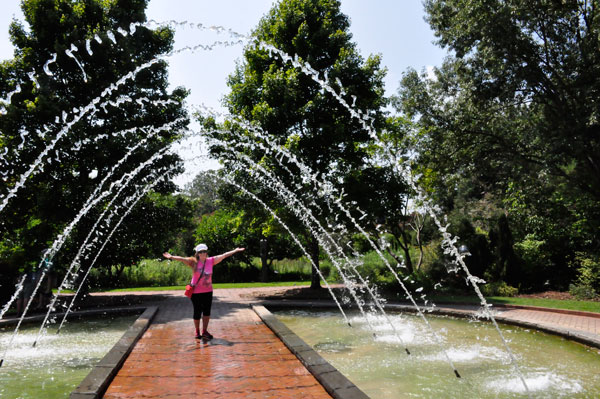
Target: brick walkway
569,322
245,359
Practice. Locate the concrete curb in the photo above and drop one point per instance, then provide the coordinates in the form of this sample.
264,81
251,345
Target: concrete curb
334,382
589,339
97,381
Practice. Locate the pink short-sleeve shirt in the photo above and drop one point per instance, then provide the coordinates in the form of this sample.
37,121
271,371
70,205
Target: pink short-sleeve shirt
203,276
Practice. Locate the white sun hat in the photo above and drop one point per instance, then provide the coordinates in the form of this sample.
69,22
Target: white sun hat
201,247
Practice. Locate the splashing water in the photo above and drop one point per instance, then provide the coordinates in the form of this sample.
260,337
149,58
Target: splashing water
324,188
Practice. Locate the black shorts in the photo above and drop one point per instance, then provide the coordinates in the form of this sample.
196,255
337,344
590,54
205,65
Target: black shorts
202,304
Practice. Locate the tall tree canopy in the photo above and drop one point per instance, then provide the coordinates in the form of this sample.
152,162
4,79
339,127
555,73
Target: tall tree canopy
70,54
295,111
515,108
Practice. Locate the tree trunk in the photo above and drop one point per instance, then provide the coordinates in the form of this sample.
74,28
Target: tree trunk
315,282
421,256
264,271
114,278
407,259
417,225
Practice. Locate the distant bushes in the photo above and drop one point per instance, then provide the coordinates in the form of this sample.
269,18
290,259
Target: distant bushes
587,282
147,273
161,273
499,288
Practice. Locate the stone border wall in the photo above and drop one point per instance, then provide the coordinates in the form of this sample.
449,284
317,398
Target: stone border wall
334,382
97,381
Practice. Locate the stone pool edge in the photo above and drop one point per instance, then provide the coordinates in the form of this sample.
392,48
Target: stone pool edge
334,382
78,313
581,337
97,381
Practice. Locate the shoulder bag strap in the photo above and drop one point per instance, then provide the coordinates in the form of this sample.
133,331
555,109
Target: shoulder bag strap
201,272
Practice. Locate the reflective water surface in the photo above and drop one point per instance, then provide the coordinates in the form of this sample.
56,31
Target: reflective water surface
553,367
60,362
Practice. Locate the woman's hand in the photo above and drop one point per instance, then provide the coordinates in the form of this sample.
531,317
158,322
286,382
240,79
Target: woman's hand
239,249
168,255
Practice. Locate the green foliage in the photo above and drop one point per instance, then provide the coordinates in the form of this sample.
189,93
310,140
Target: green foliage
157,273
204,190
587,283
294,269
152,227
55,193
294,111
147,273
372,269
221,231
536,261
517,122
582,292
499,288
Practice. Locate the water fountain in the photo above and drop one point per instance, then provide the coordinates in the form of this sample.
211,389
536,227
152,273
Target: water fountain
377,367
345,266
54,369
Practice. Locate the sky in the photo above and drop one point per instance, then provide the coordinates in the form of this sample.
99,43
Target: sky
395,29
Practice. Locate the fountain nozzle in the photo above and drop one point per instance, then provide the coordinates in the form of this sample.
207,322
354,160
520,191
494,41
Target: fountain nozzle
407,351
456,372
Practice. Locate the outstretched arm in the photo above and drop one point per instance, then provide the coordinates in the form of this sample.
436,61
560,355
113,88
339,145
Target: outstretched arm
187,261
219,258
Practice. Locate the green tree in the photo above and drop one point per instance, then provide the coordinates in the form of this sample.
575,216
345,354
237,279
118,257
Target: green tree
264,236
295,111
53,195
154,225
204,190
514,107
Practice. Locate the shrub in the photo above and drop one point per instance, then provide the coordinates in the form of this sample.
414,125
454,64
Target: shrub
499,288
582,292
587,283
155,273
292,269
235,272
536,261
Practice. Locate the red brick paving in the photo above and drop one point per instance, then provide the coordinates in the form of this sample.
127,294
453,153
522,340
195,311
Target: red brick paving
552,319
542,316
245,359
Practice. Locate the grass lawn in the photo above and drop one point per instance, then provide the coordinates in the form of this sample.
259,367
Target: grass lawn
216,286
586,306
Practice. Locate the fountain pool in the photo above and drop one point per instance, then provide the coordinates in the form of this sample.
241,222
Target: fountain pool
553,367
59,362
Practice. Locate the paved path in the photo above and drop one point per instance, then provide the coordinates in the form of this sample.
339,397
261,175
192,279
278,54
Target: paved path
569,322
246,359
585,323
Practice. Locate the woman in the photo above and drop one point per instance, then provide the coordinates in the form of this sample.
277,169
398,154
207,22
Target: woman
202,282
